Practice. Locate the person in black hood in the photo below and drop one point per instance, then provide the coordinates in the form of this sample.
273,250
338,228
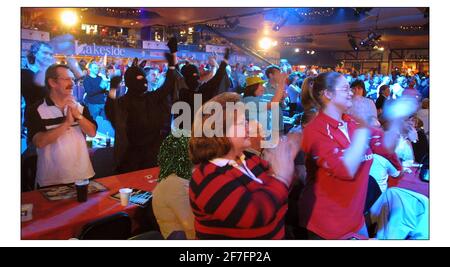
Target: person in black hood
218,84
141,119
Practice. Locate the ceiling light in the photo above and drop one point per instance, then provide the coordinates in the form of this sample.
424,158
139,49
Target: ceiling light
69,18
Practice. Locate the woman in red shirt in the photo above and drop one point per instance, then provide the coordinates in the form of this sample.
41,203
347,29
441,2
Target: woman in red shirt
338,158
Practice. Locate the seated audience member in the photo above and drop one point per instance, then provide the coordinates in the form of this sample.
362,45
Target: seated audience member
408,135
57,126
401,214
421,147
423,114
234,196
171,196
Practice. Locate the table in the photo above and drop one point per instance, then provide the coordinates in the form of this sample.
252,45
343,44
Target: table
64,219
410,181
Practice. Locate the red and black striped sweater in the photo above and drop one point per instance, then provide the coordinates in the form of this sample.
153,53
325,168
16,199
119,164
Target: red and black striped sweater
228,204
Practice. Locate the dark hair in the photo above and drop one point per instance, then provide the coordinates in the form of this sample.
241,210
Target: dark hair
324,81
292,76
271,70
359,83
52,73
251,89
34,49
382,88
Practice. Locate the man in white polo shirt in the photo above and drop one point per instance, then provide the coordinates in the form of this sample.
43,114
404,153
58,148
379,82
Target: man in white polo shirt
57,126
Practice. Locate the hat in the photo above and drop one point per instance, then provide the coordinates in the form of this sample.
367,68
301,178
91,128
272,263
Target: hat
253,80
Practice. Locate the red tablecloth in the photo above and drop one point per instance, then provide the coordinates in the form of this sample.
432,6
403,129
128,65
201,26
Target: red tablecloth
410,181
64,219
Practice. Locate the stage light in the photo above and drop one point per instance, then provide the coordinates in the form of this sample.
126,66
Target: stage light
266,43
281,21
69,18
297,50
371,39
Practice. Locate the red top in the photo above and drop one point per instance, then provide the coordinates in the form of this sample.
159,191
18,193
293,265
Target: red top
228,204
332,202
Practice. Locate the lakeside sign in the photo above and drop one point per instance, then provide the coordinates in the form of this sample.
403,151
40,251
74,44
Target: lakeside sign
94,50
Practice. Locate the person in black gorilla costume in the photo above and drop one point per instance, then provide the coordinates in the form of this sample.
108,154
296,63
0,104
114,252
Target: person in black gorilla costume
219,83
141,119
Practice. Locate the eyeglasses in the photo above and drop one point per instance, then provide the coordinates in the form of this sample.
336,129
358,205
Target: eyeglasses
345,89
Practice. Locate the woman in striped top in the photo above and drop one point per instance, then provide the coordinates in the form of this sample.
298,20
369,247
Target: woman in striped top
235,195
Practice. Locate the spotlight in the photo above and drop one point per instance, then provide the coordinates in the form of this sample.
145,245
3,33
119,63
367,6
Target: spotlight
281,21
371,39
69,18
266,43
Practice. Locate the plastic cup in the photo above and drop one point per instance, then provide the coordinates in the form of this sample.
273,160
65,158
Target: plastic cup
125,194
82,190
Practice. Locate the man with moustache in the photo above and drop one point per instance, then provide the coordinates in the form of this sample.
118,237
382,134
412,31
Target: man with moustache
57,126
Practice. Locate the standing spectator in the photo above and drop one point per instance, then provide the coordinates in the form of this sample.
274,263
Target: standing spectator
270,87
358,88
294,93
338,159
253,93
57,126
384,93
141,119
95,88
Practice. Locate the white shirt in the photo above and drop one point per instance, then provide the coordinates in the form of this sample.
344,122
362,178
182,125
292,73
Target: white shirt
422,114
401,214
66,159
381,169
221,162
404,149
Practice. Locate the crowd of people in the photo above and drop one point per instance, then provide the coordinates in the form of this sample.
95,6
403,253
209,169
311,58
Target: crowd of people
228,185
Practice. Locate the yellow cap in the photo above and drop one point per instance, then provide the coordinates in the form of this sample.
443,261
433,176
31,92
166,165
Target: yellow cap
253,80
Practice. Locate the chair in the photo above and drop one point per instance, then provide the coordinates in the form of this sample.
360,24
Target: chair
177,235
28,170
103,162
113,227
151,235
373,193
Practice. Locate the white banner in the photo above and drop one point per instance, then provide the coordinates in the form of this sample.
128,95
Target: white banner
215,48
35,35
154,45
